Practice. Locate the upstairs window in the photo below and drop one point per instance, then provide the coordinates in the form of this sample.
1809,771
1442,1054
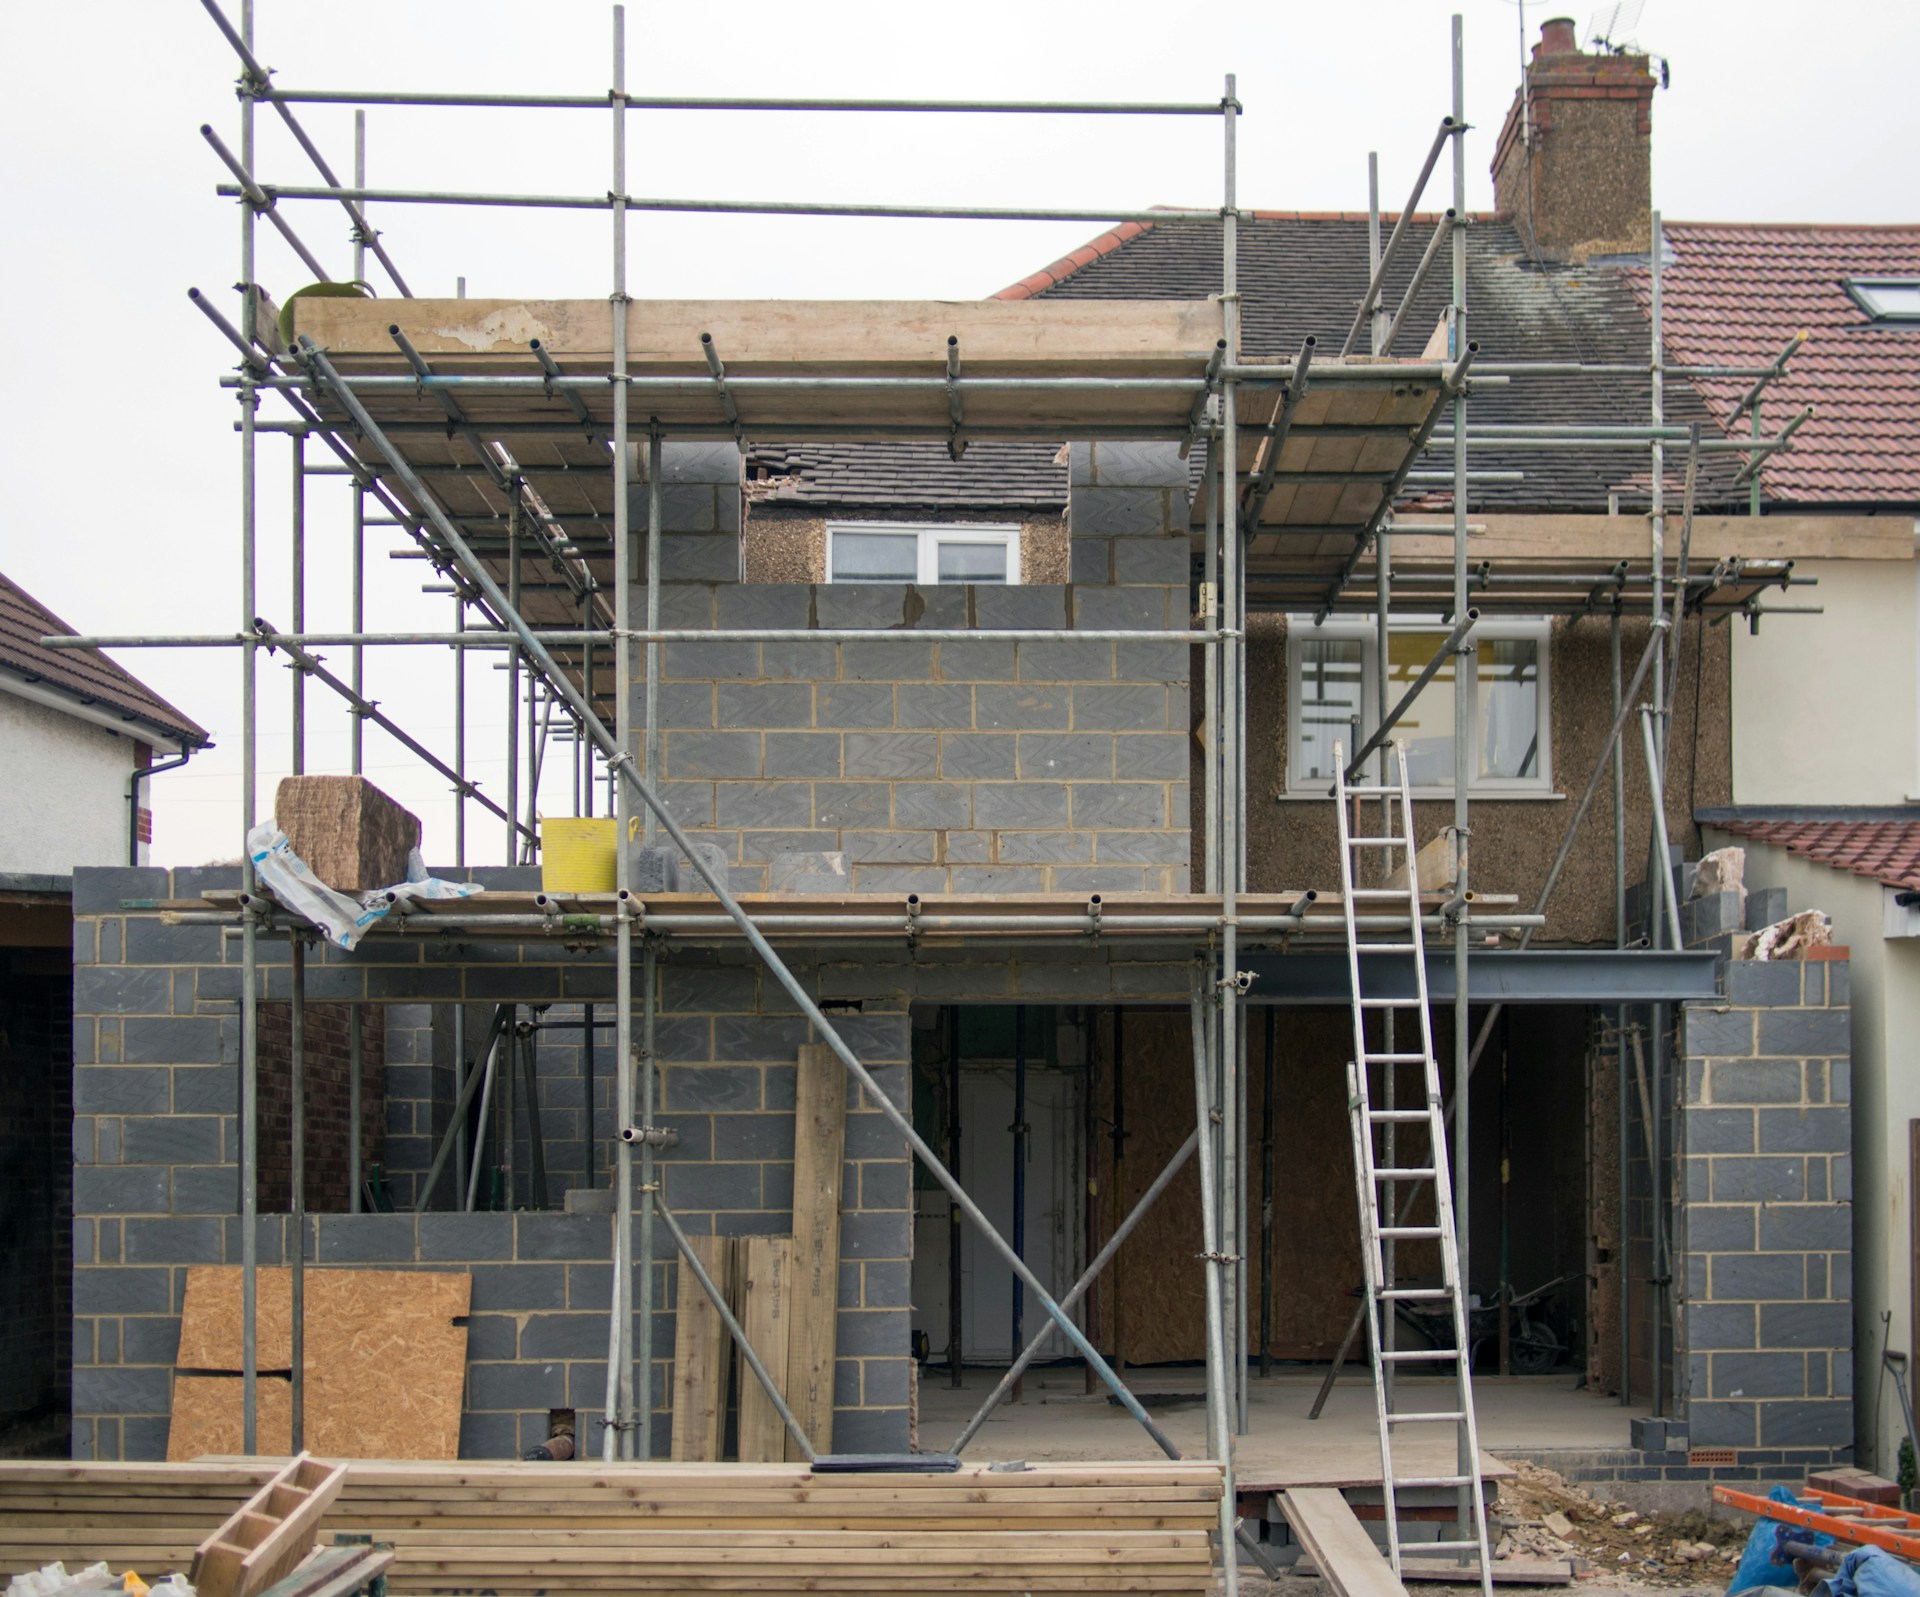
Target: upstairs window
926,553
1887,299
1333,698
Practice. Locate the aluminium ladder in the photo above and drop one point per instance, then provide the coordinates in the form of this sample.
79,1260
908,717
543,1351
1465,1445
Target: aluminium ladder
1405,1171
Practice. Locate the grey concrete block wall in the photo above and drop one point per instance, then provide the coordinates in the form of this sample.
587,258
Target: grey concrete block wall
156,1046
1763,1218
945,766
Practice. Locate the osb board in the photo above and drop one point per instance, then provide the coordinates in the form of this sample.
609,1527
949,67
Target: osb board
207,1416
1316,1250
385,1364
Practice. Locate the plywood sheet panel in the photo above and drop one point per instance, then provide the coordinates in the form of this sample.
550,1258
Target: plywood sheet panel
207,1416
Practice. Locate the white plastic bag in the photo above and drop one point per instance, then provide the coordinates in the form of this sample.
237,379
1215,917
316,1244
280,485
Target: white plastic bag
340,918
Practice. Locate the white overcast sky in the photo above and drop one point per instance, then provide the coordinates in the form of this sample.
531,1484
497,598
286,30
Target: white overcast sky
121,504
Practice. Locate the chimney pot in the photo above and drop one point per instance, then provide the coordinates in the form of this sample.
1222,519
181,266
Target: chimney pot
1557,37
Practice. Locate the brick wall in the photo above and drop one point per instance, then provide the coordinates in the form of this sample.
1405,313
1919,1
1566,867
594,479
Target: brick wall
328,1058
964,767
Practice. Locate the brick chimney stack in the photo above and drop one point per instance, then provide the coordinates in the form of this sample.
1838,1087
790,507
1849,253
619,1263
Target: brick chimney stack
1578,181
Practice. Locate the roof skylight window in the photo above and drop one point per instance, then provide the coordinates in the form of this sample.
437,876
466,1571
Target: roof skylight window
1887,299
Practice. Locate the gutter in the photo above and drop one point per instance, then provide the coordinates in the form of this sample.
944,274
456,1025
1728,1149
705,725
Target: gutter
133,799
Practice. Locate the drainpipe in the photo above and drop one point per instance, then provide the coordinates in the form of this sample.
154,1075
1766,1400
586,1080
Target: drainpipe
133,800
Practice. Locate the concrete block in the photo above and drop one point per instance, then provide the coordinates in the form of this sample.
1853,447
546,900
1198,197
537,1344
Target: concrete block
1812,1130
459,1238
515,1288
942,706
1153,464
963,848
1765,906
1124,707
765,704
1759,1180
712,754
1152,662
122,990
1128,609
149,1339
1142,848
870,1430
899,879
1100,879
1814,1227
1030,707
860,604
812,871
896,658
121,1390
1046,848
518,1385
1119,805
196,1240
932,805
983,661
1762,983
891,754
1720,1229
800,662
802,754
1027,607
1722,1424
753,1137
709,462
889,848
117,1289
700,554
1753,1081
943,606
1801,1032
103,889
711,1087
120,1189
171,1139
853,704
977,756
1066,756
1806,1325
1706,1031
1161,561
366,1239
1024,805
712,662
151,942
562,1336
760,804
1813,1423
1718,1130
563,1236
998,879
1763,1277
1720,1325
1047,660
838,805
743,606
1101,511
1090,559
691,1187
121,1090
204,1189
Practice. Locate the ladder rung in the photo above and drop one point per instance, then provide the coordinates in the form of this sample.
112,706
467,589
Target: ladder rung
1419,1355
1393,1059
1389,1003
1376,842
1398,1231
1401,1293
1402,1483
1454,1417
1376,791
1383,948
1378,892
1399,1173
1399,1116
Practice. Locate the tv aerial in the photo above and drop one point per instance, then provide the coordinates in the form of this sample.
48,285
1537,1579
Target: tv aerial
1610,31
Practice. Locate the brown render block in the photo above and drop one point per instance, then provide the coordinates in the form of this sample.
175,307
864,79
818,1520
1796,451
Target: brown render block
352,836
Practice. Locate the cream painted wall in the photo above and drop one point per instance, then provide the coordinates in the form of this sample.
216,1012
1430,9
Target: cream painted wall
1825,706
63,790
1886,1098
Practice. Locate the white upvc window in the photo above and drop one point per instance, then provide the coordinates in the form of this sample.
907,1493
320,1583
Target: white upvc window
927,553
1333,696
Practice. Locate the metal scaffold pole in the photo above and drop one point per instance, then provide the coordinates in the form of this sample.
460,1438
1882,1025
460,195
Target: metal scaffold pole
1462,765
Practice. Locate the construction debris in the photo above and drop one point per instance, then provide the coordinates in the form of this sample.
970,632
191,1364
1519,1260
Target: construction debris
1788,939
1543,1515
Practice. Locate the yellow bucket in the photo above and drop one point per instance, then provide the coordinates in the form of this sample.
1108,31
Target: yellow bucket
577,853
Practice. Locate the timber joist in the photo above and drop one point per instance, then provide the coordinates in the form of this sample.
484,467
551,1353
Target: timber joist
657,1528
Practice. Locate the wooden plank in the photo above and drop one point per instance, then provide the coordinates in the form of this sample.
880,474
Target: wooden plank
1326,1527
819,1145
1605,539
768,336
1445,1572
766,1279
701,1350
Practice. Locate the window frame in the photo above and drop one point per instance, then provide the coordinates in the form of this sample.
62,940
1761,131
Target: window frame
930,535
1863,289
1536,630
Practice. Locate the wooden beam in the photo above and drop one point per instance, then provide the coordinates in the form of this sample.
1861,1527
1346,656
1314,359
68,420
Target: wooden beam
702,1354
1345,1553
1601,540
819,1146
766,1280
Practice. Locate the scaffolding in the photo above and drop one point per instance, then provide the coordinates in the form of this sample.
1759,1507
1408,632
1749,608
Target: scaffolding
425,450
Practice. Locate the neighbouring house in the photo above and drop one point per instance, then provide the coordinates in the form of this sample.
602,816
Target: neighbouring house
1825,792
1701,1286
79,736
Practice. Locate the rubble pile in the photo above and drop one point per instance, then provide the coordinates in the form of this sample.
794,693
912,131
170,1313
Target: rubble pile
1540,1514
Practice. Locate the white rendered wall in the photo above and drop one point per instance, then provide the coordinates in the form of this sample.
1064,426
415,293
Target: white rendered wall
1824,706
63,790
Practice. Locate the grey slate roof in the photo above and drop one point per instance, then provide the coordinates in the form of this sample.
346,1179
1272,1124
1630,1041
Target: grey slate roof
1304,275
908,475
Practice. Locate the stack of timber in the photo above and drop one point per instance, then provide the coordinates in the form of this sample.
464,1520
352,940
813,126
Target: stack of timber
1124,1527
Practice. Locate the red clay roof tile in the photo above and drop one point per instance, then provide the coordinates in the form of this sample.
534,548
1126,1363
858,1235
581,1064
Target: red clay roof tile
1885,851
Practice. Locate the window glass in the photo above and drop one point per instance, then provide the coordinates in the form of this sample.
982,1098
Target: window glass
1509,705
1427,728
971,562
1332,677
876,557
